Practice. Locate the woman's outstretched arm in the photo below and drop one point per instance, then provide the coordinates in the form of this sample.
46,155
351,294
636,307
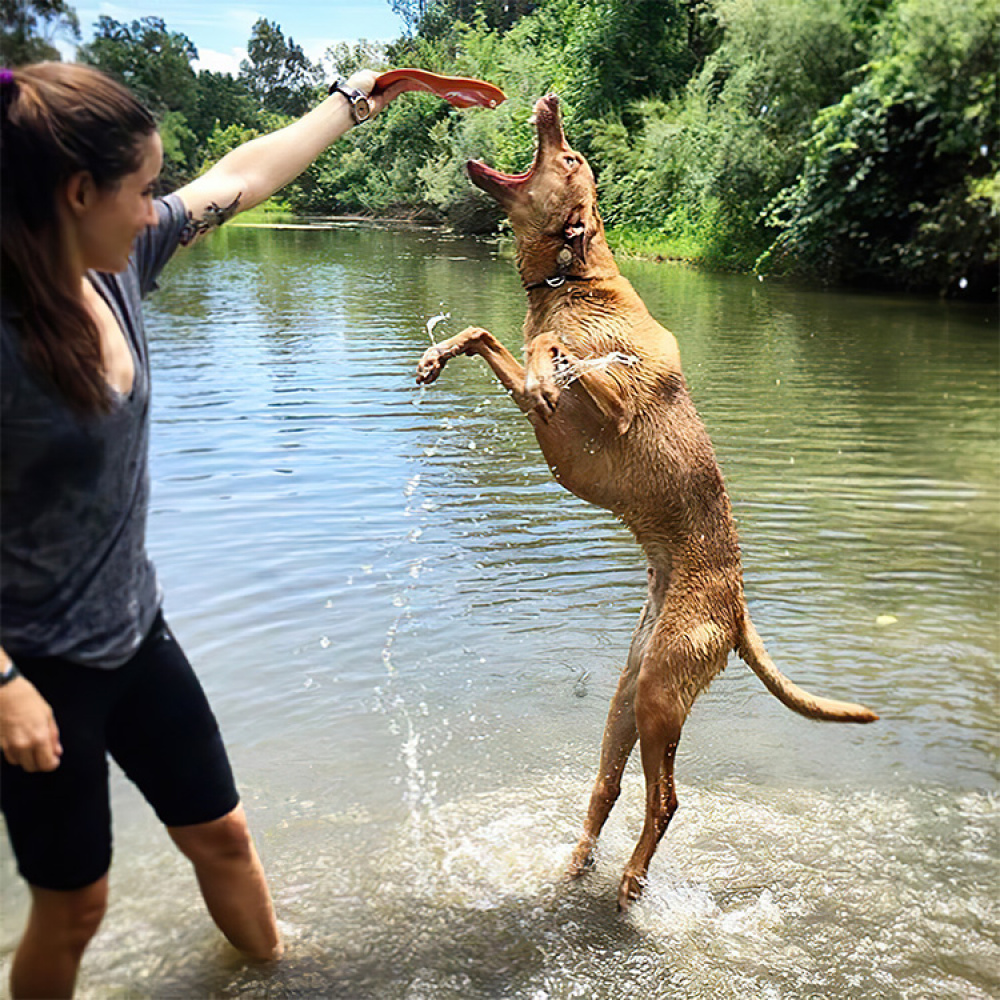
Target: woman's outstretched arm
251,173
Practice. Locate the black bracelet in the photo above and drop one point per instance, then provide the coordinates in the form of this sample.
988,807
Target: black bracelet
9,674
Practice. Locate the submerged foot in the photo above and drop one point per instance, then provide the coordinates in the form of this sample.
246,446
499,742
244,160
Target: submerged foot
582,860
630,890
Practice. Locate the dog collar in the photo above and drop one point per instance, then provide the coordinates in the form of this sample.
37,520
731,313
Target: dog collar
555,282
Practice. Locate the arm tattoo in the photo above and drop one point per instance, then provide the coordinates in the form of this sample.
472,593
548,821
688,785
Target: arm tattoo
212,217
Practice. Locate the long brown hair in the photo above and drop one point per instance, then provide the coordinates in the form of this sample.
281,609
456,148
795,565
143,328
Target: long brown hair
57,119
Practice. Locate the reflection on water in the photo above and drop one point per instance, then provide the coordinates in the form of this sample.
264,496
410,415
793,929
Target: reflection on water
410,634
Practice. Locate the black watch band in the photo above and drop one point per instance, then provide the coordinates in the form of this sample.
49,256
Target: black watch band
9,674
361,108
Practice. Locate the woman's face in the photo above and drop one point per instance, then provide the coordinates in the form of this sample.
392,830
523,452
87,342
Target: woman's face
108,221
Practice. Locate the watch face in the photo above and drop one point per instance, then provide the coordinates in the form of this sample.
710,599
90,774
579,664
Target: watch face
362,109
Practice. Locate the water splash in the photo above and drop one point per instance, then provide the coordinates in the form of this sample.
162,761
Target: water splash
429,326
433,322
568,370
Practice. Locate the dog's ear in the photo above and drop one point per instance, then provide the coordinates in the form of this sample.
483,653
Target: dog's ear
580,229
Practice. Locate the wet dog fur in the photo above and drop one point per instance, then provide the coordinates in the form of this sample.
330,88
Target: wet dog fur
602,386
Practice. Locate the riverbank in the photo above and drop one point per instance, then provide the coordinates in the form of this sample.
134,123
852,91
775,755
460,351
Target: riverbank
629,241
275,213
691,249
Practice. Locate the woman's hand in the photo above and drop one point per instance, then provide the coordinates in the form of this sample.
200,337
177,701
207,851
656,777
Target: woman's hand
29,736
364,80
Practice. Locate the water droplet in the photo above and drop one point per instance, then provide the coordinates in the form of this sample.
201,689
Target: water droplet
433,322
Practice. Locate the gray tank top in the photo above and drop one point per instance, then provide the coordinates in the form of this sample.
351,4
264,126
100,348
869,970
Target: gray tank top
75,579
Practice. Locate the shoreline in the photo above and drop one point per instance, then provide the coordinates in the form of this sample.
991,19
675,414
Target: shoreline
623,244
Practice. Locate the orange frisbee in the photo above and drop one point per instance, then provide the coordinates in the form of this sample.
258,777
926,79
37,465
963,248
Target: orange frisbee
459,91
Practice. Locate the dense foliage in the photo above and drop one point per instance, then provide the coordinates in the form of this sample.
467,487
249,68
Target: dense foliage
900,175
850,140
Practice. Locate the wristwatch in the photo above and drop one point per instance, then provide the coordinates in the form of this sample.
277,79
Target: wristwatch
9,674
361,109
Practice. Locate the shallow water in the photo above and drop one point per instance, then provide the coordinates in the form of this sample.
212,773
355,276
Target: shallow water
410,633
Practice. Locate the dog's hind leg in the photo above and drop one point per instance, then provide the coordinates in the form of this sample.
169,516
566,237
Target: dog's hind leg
620,735
679,663
659,719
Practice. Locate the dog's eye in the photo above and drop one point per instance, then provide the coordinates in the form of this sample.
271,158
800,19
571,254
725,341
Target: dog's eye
571,161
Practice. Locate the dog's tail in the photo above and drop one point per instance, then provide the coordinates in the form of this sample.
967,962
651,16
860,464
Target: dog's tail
751,649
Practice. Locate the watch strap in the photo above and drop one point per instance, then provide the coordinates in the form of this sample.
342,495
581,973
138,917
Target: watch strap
9,674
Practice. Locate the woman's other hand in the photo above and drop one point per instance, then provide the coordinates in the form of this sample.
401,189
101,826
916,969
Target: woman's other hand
29,736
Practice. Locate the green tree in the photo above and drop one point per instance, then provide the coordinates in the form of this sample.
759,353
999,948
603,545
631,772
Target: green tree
411,11
155,64
221,99
181,151
702,167
622,50
434,18
346,59
152,61
902,177
28,28
276,71
856,138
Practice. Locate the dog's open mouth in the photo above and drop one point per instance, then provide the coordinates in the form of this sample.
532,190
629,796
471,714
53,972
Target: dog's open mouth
550,137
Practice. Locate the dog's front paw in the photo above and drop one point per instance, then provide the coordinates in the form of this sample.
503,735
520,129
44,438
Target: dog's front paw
542,393
431,365
436,357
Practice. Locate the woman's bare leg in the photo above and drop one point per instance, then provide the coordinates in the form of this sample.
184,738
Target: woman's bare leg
59,929
232,883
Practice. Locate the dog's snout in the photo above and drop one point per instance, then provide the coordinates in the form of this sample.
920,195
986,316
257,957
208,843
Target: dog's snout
548,122
546,113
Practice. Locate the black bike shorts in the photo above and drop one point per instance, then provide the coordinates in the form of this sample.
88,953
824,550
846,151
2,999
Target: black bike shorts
152,717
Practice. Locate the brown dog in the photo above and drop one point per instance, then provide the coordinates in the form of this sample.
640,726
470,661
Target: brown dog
603,389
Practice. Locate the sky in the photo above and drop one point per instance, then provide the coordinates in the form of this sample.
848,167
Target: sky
220,30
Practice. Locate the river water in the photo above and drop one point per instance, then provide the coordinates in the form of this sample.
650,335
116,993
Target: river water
410,634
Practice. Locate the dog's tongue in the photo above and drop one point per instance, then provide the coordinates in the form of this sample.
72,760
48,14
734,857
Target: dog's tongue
493,181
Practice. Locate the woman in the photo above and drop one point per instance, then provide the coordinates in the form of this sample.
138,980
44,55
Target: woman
88,666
